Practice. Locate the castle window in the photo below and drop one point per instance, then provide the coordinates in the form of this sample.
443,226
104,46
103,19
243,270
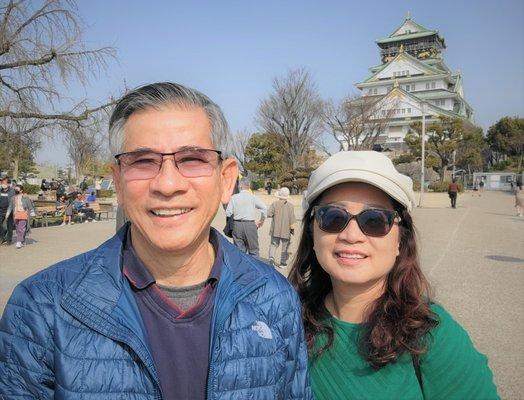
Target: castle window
427,85
432,85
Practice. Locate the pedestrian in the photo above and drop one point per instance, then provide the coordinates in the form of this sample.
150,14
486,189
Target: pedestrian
22,209
84,185
242,207
44,187
60,190
167,308
269,187
373,331
519,200
98,186
282,214
481,186
453,190
7,222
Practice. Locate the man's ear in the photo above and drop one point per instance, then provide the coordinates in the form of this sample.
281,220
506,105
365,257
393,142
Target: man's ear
229,176
115,171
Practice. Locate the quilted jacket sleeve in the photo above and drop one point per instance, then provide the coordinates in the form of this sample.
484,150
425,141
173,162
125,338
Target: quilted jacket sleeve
297,371
25,339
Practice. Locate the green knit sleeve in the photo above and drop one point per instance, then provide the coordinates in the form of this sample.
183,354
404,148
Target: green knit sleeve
452,368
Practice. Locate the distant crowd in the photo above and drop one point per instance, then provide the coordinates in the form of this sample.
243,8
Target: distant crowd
17,209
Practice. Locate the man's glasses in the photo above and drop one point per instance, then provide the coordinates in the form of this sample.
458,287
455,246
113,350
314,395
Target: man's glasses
372,222
146,164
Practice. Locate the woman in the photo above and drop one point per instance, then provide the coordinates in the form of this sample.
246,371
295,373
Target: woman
371,330
22,208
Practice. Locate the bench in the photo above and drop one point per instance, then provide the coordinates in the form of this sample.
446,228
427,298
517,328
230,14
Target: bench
44,214
98,209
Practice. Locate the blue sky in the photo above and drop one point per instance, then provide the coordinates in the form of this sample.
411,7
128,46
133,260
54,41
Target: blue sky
231,50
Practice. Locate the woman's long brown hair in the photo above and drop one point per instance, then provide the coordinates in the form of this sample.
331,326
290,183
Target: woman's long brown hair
395,323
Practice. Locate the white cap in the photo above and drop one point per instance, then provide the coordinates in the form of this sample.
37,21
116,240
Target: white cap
283,193
362,166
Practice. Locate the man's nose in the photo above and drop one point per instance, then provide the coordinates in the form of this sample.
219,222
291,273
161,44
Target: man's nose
169,180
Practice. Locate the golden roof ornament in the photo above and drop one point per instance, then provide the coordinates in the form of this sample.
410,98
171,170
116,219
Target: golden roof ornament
395,84
401,48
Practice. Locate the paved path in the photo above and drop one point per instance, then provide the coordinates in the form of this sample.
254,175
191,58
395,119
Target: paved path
473,256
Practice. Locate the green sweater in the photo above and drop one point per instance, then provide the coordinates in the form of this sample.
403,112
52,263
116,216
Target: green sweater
451,369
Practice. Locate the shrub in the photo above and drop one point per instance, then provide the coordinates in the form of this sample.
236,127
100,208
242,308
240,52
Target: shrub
105,193
256,184
404,158
31,189
443,186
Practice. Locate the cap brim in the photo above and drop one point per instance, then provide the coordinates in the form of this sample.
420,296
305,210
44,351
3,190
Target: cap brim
379,181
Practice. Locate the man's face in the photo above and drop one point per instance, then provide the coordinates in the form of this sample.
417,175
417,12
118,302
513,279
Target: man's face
188,205
3,184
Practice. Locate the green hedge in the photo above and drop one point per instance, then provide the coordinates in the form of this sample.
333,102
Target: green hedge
443,186
31,189
256,184
105,193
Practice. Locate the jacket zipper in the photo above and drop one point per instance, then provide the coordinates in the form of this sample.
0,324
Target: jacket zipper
255,285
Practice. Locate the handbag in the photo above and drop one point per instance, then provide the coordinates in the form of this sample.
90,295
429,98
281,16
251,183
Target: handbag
228,229
21,215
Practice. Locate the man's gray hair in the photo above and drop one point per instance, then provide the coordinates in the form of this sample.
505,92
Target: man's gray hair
157,95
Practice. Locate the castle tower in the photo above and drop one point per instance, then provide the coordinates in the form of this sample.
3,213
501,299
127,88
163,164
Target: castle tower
413,75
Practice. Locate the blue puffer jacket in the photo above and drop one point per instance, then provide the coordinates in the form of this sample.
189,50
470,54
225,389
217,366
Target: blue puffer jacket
73,331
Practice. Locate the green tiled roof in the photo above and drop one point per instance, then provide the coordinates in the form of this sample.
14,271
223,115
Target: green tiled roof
415,35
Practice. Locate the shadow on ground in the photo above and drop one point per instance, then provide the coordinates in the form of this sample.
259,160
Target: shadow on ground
505,258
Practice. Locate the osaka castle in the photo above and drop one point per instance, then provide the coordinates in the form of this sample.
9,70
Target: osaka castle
411,79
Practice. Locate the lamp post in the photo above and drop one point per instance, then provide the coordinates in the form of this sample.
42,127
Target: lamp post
422,168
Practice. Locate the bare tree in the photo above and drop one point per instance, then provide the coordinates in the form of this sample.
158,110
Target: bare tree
41,51
240,140
293,111
357,122
83,143
18,141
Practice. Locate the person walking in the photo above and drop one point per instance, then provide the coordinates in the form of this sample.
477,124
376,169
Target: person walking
519,200
373,331
481,186
242,207
282,214
6,222
453,190
22,209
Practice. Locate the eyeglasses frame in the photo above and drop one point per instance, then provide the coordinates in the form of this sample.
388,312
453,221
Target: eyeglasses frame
117,156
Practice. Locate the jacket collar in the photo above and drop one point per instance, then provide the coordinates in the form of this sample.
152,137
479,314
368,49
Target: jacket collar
101,285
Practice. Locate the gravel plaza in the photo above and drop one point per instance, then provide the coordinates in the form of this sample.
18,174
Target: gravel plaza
472,255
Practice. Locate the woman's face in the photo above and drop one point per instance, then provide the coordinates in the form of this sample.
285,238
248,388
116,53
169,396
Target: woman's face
351,258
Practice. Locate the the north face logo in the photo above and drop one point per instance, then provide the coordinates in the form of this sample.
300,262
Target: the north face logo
262,329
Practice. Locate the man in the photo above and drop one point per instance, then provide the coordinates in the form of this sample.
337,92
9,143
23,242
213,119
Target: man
6,223
242,208
167,308
453,190
84,185
283,221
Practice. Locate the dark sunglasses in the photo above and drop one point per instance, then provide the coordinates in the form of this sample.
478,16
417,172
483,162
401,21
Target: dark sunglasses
372,222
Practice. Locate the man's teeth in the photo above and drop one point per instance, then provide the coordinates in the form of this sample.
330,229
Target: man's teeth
168,212
352,256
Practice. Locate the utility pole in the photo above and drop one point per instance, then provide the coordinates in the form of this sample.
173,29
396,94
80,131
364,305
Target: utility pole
454,156
422,169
